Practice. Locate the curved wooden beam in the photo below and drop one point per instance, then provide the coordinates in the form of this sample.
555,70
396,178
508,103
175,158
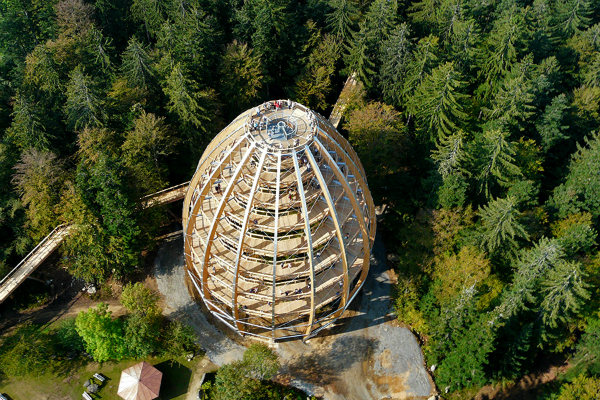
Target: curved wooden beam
336,222
213,226
238,255
359,214
275,239
307,232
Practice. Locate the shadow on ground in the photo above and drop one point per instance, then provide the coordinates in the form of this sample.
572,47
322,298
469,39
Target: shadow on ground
324,368
175,380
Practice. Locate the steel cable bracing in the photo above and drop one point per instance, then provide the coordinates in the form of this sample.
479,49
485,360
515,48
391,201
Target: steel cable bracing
278,223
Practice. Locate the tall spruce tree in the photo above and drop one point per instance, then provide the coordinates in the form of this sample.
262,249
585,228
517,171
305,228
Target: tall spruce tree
315,84
450,155
496,158
183,97
438,102
136,64
341,19
358,58
395,59
565,291
38,178
241,75
83,107
507,38
531,267
425,58
552,124
500,226
573,16
26,129
581,189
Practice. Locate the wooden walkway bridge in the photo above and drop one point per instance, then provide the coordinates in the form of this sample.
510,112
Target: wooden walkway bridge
50,243
352,84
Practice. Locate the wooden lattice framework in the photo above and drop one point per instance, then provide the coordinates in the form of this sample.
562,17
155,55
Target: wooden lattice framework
278,223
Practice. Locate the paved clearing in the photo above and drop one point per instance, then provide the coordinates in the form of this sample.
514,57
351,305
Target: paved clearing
367,357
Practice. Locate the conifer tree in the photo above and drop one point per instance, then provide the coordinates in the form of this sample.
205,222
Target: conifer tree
145,146
358,57
192,37
150,13
26,129
41,70
38,177
565,291
506,38
136,64
515,357
314,85
183,99
512,103
532,266
425,57
497,161
379,22
581,189
573,16
551,126
465,40
591,72
424,11
587,354
396,57
100,46
265,25
450,154
438,102
500,224
340,21
83,106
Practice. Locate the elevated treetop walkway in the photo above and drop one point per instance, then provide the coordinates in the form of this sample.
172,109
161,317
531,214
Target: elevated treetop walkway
50,243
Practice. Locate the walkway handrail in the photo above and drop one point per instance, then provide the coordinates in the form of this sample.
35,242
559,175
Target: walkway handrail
169,189
40,244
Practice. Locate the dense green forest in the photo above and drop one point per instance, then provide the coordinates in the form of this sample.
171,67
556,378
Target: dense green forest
477,123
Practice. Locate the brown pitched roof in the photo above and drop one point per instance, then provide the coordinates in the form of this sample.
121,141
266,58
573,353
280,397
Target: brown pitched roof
140,382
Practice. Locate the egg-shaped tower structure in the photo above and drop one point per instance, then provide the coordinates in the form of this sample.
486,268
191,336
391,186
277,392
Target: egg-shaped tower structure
278,223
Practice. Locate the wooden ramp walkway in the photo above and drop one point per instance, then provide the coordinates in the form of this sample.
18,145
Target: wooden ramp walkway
340,106
50,243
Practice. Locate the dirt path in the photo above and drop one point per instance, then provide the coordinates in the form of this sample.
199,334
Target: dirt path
527,387
203,367
368,357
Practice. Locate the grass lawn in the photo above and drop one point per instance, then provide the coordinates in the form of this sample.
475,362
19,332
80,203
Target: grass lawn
175,381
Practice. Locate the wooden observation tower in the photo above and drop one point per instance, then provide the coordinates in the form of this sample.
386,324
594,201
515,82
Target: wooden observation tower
278,223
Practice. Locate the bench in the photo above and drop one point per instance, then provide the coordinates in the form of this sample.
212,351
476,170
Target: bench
100,377
87,396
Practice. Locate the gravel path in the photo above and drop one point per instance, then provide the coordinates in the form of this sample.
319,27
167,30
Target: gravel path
169,273
368,357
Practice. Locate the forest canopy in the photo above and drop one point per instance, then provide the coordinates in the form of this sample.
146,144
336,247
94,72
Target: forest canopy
478,124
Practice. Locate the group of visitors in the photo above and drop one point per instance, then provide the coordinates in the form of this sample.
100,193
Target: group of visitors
275,105
292,194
